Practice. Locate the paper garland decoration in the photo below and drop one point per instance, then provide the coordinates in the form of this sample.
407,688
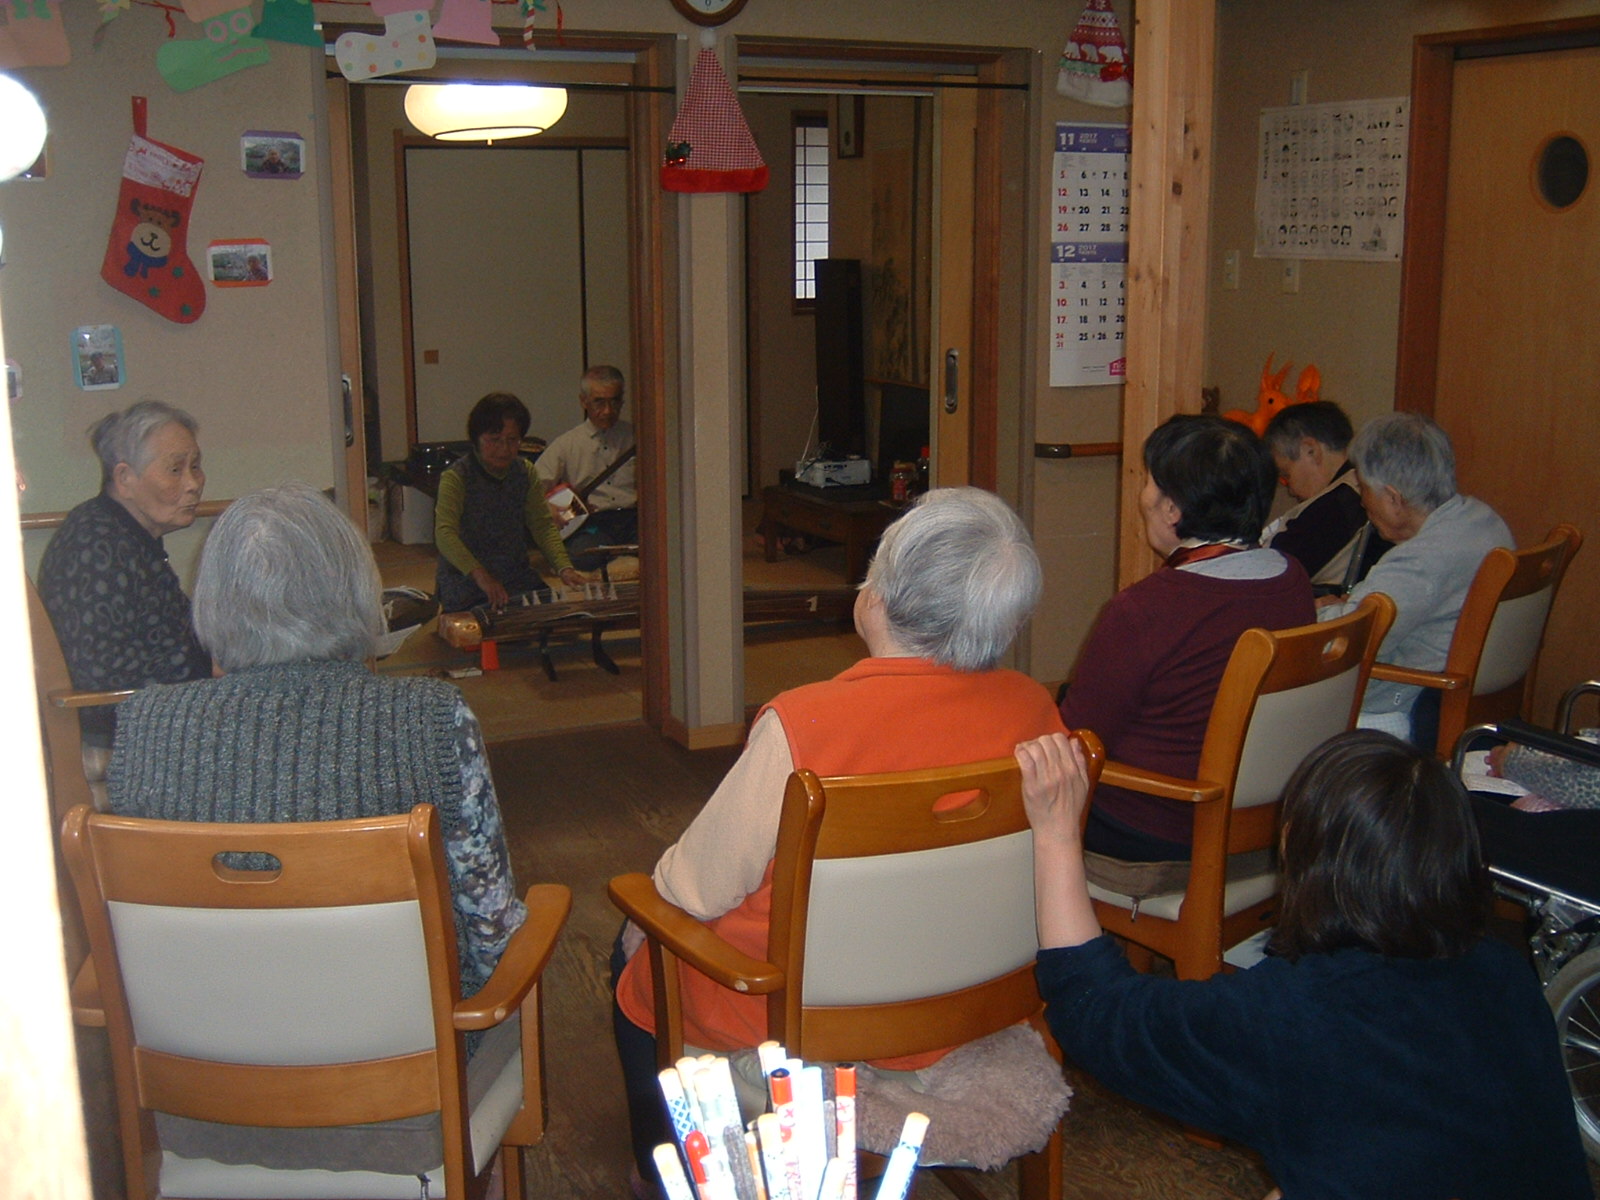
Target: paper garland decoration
406,43
226,48
32,35
467,21
289,21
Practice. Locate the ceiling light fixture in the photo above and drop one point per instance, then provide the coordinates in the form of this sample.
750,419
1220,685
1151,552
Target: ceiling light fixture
483,112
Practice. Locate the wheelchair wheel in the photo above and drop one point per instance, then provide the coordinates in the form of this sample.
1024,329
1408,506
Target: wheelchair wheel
1574,996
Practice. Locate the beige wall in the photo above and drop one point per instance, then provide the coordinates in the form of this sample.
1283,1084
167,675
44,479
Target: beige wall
257,369
1344,316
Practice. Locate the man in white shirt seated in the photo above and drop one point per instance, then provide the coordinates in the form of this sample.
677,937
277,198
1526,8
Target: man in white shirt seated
1407,472
603,443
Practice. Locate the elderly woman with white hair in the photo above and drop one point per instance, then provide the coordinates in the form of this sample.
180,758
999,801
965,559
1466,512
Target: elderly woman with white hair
297,728
950,585
118,611
1407,472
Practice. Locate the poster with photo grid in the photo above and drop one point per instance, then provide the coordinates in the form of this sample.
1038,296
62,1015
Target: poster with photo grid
1088,255
1331,180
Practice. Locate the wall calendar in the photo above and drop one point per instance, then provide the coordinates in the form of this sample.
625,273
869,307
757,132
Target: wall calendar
1331,180
1088,255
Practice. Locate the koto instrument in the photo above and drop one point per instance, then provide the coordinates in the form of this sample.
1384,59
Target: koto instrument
538,614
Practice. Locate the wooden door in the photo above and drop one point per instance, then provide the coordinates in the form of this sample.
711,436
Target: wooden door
353,489
1518,378
950,393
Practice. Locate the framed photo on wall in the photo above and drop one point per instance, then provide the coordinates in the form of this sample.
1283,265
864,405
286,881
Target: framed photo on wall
265,154
97,357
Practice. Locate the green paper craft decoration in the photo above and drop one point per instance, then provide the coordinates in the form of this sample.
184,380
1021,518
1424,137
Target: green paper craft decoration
225,49
289,21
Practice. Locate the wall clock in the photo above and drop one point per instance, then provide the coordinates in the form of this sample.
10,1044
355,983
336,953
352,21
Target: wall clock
709,12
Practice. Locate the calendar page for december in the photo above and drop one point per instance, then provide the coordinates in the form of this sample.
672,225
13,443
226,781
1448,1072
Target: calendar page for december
1089,255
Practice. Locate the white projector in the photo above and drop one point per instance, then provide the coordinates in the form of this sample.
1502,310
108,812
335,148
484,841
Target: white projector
834,472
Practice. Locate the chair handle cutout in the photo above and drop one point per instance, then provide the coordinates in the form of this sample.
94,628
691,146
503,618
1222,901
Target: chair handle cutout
967,805
241,866
1335,647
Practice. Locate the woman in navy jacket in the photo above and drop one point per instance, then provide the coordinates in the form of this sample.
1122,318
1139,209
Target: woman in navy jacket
1383,1048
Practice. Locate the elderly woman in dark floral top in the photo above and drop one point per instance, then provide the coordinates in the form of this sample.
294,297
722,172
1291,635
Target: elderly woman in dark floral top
119,614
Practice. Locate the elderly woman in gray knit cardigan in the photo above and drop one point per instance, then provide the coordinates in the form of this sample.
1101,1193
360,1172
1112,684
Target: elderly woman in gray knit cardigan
288,603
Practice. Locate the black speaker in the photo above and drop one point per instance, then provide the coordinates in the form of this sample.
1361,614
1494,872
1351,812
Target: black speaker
841,358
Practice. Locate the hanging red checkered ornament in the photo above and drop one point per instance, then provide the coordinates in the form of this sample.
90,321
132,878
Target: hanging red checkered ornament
709,148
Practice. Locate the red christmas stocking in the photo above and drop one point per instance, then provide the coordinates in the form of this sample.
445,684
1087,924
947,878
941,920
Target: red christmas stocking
146,257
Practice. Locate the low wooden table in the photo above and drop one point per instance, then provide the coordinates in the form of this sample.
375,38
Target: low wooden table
858,523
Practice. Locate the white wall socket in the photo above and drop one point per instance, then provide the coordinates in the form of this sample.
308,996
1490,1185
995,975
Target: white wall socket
1230,271
1291,275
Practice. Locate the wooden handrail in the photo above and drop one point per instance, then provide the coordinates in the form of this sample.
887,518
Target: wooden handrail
1077,449
52,520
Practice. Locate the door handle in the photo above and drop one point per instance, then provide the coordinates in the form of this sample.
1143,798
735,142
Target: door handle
952,381
348,396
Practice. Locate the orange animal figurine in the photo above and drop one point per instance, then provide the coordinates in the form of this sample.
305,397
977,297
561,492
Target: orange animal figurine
1272,400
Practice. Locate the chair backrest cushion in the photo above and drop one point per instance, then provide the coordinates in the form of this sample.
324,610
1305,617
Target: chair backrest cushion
277,987
894,927
1285,727
1512,641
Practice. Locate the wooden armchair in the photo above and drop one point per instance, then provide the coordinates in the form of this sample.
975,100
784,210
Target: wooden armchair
896,929
74,774
1489,671
322,993
1283,694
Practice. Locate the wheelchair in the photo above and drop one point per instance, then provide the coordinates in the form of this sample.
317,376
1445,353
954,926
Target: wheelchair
1549,865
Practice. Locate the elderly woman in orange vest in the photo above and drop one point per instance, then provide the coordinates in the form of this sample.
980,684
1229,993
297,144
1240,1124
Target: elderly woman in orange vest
951,583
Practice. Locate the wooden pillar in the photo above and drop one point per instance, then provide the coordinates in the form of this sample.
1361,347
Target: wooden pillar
1174,52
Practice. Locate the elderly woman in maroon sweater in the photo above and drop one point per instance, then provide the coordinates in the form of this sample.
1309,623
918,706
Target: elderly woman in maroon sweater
1152,664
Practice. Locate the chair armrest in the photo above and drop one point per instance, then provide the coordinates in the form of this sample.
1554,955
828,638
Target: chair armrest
87,1007
1193,791
74,699
690,940
1445,681
525,958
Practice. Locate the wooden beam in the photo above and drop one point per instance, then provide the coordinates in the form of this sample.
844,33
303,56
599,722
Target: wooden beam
1175,49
